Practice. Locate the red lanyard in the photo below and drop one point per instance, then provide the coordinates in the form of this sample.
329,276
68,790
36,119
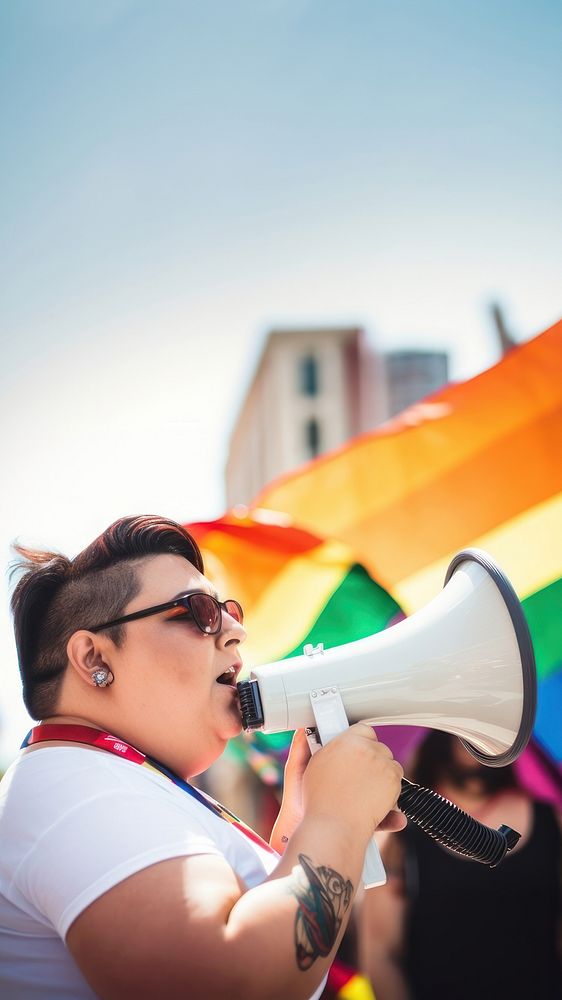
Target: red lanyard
112,744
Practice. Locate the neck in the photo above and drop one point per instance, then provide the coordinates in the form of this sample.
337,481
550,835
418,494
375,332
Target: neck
70,720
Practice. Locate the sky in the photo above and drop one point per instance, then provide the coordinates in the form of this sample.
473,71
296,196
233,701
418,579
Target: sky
176,178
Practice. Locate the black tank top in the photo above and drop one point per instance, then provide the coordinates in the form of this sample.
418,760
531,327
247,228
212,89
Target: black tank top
476,933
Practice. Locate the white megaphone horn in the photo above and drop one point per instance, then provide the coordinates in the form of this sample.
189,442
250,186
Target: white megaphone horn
463,664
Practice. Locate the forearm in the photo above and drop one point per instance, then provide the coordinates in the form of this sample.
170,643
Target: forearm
283,829
294,920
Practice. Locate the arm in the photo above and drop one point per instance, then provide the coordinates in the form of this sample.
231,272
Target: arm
381,922
188,927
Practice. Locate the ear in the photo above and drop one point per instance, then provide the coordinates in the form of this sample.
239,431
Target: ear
87,653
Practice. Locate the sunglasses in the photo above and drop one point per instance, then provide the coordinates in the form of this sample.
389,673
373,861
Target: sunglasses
205,610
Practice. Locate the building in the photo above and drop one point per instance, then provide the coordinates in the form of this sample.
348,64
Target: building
411,375
313,390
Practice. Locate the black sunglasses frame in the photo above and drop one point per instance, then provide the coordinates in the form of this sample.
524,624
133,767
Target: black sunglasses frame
180,602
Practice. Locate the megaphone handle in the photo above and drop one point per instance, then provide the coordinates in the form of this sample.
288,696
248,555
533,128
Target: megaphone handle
373,869
331,719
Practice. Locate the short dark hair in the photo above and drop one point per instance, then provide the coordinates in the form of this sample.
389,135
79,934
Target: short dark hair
55,596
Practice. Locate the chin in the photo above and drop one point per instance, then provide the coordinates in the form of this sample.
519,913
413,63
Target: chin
236,726
233,726
229,732
220,743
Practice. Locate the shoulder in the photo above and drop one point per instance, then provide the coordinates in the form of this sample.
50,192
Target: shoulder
43,784
45,788
62,803
77,822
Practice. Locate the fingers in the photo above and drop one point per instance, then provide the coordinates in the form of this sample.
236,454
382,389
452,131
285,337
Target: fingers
393,821
299,752
299,744
299,738
356,774
367,731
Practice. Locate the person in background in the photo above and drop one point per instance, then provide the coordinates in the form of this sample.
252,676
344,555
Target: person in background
118,878
446,928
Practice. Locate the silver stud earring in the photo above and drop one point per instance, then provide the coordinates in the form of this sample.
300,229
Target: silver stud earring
101,677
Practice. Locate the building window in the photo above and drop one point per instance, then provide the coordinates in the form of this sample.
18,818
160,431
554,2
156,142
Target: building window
308,375
312,437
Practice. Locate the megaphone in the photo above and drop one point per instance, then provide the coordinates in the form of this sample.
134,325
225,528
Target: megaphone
464,664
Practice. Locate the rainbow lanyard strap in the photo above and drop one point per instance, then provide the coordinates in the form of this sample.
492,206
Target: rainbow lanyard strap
67,733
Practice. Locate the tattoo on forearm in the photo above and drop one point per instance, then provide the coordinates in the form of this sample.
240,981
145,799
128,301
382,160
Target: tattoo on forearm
284,839
323,897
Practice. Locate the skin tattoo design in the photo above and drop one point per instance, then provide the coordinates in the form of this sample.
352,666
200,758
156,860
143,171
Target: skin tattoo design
323,897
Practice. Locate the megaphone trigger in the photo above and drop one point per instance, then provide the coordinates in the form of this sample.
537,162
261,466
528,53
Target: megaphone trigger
313,738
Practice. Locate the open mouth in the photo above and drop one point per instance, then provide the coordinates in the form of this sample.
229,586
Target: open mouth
228,677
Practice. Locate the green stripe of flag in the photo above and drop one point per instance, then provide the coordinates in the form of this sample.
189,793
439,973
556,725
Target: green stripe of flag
357,608
543,611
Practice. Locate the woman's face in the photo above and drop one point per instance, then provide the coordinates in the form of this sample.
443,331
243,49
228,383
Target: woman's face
166,672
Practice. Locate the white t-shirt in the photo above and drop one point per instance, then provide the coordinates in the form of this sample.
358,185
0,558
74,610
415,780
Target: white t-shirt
73,823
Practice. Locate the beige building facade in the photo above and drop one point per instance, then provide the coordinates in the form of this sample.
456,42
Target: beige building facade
312,391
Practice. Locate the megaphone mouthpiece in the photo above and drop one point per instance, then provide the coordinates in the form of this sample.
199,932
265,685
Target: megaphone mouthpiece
250,704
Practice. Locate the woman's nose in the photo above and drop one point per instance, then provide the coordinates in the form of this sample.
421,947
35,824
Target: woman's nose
232,630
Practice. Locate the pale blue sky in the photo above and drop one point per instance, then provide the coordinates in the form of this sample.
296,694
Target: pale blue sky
176,177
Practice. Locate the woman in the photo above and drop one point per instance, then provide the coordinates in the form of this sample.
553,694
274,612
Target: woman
446,927
116,877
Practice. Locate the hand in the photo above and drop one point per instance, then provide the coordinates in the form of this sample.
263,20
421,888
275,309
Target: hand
393,821
297,762
356,779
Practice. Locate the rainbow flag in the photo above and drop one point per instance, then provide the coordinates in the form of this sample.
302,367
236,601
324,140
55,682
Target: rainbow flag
294,586
478,464
347,983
